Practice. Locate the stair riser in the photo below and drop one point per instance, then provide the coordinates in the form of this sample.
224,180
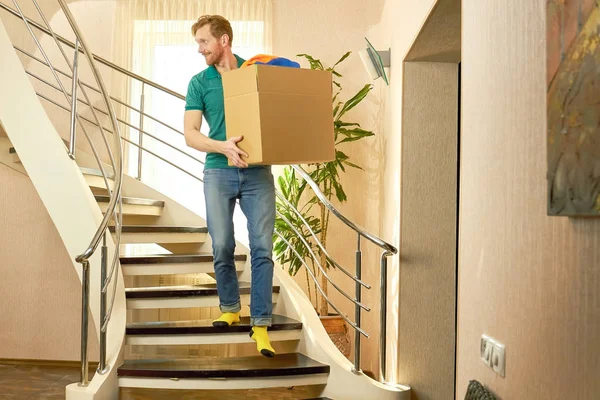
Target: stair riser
129,209
186,302
221,338
173,269
98,182
141,238
224,384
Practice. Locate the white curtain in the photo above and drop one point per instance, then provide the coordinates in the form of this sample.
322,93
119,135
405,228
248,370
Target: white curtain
153,39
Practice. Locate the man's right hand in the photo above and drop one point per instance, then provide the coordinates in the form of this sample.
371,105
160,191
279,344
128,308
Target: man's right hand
234,153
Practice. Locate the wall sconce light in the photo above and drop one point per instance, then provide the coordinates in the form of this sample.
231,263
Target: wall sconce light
375,61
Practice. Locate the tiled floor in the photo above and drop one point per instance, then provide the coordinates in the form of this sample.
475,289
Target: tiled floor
26,382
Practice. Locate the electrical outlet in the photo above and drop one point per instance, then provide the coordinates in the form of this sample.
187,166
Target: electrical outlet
492,354
486,347
498,358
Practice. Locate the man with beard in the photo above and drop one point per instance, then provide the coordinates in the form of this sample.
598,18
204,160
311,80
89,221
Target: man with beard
253,186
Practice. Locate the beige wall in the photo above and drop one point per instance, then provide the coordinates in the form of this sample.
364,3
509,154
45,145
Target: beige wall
426,339
529,280
40,311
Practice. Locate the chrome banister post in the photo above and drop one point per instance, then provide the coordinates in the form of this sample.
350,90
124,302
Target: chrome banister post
141,135
73,130
85,300
356,308
383,318
103,272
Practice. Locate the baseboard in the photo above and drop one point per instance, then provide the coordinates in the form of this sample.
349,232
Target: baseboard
47,363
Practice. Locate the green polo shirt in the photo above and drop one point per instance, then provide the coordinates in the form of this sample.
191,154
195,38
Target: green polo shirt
205,93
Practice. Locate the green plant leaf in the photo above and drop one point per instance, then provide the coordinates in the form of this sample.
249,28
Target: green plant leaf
342,59
355,100
342,124
352,165
352,135
336,108
314,63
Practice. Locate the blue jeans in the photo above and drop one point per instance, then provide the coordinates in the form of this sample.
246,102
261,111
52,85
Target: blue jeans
255,189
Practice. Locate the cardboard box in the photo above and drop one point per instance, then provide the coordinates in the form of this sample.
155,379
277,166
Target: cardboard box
285,114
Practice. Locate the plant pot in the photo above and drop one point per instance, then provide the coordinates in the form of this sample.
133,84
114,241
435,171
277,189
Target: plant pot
337,329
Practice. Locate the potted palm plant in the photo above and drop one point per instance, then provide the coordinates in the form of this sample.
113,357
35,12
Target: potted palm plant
327,177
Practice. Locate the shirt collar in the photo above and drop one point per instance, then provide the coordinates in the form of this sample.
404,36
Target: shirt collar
212,73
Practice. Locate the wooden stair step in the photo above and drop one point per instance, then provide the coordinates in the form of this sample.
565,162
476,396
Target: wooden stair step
96,172
279,323
172,264
160,229
202,332
131,201
232,367
182,291
134,205
183,296
173,258
162,234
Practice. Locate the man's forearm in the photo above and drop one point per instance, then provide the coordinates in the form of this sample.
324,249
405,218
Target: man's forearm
196,140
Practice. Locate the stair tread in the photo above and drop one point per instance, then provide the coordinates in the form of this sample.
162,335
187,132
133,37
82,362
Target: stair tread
182,291
279,323
231,367
95,172
161,229
132,201
173,258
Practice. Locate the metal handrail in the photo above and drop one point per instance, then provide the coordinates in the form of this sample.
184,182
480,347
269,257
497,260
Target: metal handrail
95,57
355,301
354,325
122,138
66,75
361,231
323,249
118,119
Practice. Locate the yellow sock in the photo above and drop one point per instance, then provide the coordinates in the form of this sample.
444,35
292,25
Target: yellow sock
261,337
227,319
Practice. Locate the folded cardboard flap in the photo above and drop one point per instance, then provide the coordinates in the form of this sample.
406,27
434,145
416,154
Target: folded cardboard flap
285,114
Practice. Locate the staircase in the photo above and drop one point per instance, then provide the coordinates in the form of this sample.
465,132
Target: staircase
174,277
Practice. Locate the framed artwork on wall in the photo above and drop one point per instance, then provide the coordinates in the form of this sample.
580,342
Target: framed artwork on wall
573,107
